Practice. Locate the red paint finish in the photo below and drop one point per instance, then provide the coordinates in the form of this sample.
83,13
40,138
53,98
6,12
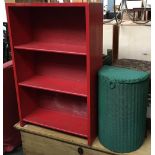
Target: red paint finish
57,51
70,48
94,63
56,84
11,137
56,110
52,71
65,122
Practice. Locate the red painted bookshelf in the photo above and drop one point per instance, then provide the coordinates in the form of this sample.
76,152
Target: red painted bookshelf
54,47
76,124
57,51
57,85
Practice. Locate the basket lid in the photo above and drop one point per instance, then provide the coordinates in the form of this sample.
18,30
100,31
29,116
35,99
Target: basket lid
122,75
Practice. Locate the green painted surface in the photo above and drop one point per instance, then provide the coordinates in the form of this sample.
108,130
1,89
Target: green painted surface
122,108
122,75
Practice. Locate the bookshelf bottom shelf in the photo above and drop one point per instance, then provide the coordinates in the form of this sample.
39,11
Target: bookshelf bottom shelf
58,120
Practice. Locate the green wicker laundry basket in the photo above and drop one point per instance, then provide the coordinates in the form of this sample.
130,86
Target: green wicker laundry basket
122,108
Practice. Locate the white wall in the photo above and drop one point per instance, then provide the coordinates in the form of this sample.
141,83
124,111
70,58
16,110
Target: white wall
134,41
107,38
3,12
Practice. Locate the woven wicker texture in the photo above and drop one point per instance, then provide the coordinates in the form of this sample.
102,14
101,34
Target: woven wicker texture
122,75
122,109
139,65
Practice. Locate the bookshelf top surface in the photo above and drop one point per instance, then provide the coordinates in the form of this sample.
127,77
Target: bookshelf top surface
79,4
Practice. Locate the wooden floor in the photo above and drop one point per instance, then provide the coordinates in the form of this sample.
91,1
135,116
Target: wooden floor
50,137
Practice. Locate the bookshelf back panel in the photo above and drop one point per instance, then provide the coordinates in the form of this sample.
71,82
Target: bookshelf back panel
33,98
55,65
45,24
59,111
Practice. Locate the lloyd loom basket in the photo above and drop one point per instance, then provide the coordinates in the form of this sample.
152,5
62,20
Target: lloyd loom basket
122,108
